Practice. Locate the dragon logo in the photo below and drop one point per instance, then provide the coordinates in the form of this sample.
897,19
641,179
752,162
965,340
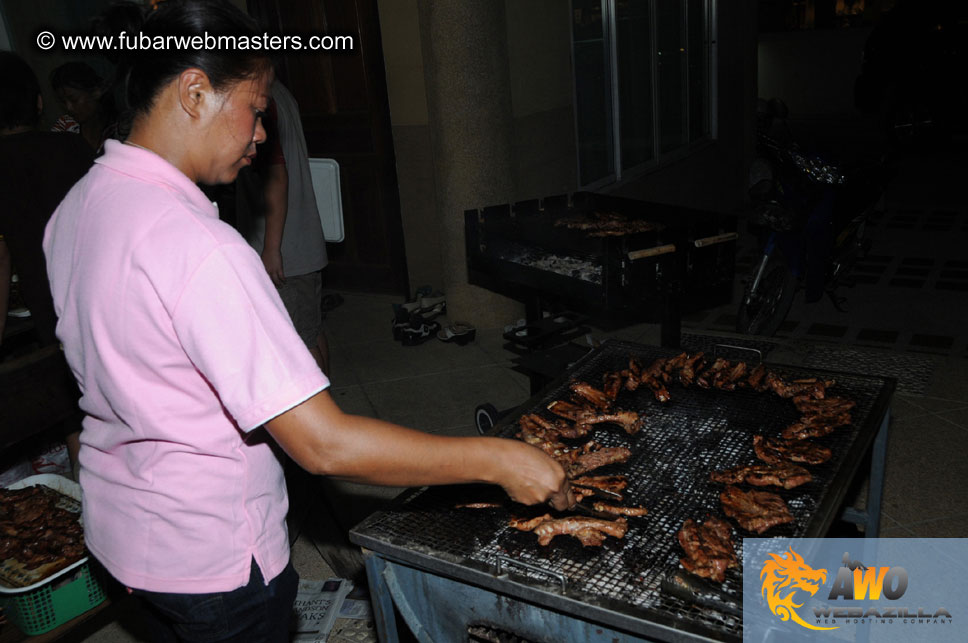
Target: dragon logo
782,577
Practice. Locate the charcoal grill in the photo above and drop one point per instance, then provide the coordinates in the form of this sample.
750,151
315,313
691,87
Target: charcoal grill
446,568
684,263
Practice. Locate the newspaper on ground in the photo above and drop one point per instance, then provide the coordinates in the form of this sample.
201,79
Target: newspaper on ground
317,606
355,609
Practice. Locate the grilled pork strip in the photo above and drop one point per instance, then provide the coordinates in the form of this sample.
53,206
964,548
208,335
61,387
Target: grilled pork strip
803,431
777,451
709,548
607,483
592,460
586,392
755,511
784,474
589,531
629,420
829,405
612,383
619,510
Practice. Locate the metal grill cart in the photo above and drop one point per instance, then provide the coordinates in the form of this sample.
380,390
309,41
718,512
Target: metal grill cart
451,571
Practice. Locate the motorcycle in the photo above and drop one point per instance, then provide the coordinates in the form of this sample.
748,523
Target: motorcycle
811,218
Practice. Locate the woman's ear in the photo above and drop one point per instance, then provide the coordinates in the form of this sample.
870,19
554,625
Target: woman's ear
195,91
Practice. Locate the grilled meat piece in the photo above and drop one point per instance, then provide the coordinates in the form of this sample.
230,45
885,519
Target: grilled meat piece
658,369
568,410
808,387
801,432
479,505
690,366
614,484
827,406
605,224
806,430
709,548
784,474
533,424
755,511
590,531
776,451
619,510
629,420
612,383
595,459
588,393
730,376
757,379
635,377
706,378
35,530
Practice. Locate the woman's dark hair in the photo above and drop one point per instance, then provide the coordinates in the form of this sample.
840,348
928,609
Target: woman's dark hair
149,69
18,100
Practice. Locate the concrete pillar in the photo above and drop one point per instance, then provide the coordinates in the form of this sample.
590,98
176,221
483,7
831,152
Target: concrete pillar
465,56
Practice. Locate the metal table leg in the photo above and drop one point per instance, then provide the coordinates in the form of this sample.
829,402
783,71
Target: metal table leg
384,616
871,516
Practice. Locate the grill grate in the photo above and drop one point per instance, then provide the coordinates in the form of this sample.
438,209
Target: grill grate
696,432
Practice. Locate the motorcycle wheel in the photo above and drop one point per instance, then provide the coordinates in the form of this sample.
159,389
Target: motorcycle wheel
763,313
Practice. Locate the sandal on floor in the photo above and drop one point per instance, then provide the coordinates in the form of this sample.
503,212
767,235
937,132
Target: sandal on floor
461,333
418,332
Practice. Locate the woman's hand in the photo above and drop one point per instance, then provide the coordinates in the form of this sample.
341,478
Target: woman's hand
531,477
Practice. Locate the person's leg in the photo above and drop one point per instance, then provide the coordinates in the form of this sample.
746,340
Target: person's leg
302,295
255,613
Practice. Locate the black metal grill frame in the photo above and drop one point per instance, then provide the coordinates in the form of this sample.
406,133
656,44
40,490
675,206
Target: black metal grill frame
619,584
696,277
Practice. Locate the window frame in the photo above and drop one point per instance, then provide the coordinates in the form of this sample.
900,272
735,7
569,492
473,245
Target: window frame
658,158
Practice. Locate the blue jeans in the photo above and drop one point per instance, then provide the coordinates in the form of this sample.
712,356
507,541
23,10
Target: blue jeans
256,613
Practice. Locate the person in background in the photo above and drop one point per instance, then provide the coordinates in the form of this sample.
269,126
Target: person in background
280,220
38,170
193,376
89,102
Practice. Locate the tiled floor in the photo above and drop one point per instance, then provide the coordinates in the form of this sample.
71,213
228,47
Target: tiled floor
436,386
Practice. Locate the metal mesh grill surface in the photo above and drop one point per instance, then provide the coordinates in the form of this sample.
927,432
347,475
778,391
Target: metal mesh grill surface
698,431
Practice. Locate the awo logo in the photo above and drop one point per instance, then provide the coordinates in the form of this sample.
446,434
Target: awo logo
784,576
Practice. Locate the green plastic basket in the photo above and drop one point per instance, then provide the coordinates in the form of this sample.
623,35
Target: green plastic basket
40,610
48,603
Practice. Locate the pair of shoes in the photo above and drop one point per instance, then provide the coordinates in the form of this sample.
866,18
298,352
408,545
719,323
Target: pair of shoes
461,333
425,298
412,329
433,307
418,331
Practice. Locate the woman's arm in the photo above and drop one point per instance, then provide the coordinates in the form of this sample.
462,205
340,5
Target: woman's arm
326,441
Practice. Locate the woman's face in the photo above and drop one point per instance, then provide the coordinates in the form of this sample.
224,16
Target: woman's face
236,129
81,104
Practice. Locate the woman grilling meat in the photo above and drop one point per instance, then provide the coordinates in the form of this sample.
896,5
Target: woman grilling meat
183,350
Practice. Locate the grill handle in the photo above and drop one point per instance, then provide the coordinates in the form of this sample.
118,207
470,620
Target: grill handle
719,238
759,353
504,560
651,252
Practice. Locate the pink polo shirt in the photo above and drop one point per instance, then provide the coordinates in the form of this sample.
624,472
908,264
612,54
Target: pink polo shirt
181,347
